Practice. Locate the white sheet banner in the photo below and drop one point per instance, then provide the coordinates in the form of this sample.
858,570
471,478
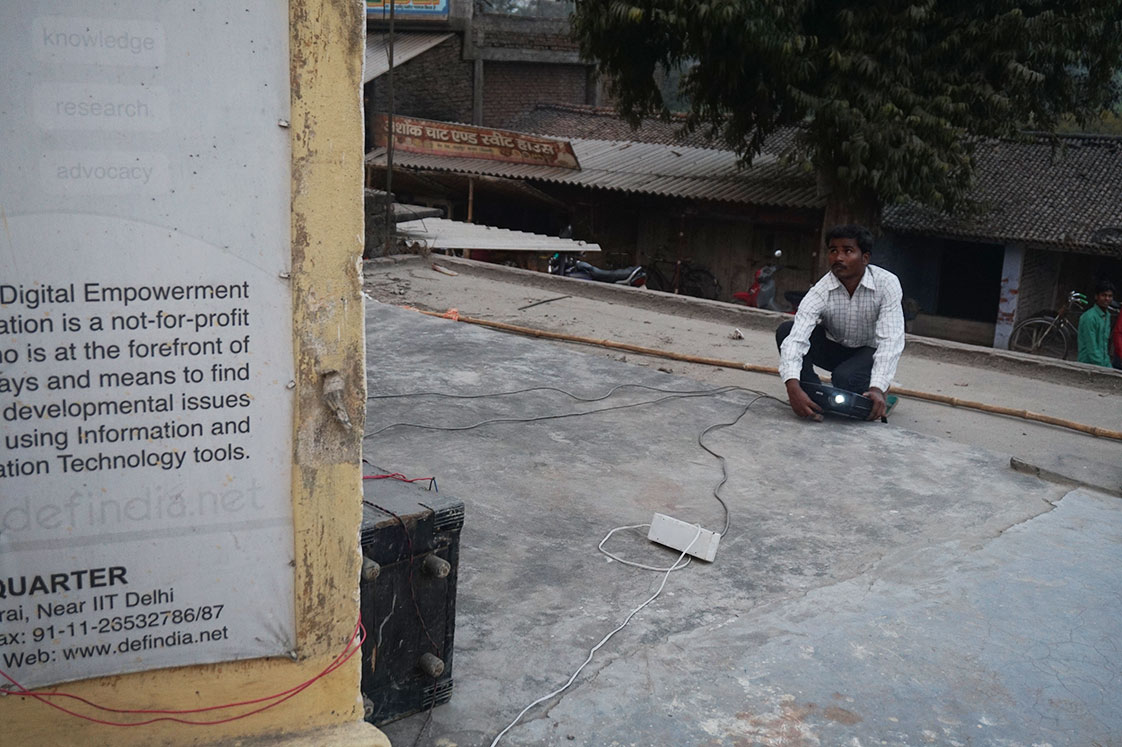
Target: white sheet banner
145,337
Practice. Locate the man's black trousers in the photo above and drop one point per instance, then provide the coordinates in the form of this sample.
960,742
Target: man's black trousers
850,368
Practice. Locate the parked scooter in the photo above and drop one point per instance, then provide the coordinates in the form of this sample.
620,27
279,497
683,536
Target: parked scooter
567,265
761,294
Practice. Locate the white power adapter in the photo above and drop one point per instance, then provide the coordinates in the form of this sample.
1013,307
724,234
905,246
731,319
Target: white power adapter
683,537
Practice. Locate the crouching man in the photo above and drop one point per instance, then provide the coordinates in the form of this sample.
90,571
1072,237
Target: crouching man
850,323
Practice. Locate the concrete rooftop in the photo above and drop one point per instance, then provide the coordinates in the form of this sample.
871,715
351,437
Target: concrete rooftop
876,585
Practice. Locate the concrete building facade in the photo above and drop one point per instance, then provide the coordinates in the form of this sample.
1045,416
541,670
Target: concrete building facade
497,64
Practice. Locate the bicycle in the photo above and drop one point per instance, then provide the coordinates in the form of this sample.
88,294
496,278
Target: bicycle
687,279
1050,333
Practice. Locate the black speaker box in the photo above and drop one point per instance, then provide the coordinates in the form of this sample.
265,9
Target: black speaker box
411,549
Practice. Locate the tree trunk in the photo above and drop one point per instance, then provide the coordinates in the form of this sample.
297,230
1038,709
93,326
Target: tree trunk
841,210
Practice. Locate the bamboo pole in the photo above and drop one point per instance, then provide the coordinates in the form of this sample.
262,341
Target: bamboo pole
914,393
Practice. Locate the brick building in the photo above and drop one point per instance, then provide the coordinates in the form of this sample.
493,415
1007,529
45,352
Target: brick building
483,63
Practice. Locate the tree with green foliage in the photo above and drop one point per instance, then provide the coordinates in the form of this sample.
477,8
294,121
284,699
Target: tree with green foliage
887,94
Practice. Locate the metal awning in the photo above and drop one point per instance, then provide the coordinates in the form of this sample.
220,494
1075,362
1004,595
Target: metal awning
406,46
643,168
441,233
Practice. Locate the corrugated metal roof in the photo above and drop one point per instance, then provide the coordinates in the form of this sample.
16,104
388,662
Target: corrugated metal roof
646,168
406,46
441,233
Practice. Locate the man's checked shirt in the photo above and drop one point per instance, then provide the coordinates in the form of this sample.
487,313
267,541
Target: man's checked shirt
873,317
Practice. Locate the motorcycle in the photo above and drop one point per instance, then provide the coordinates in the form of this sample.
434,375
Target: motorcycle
566,265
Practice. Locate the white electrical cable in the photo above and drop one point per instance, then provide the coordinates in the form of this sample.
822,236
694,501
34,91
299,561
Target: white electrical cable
677,565
618,559
606,638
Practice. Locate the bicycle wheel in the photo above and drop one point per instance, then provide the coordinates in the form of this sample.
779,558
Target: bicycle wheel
1071,332
1039,337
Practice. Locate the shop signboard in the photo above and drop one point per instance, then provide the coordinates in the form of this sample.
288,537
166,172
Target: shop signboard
408,10
466,141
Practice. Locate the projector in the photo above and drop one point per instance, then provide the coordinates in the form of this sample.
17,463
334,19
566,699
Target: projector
838,401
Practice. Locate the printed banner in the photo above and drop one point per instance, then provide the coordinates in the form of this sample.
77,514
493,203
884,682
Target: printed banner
145,338
465,141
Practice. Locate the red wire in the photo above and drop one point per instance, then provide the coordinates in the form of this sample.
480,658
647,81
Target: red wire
342,658
330,668
395,476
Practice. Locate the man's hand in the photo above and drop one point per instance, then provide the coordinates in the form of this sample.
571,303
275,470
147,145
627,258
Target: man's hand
801,403
880,406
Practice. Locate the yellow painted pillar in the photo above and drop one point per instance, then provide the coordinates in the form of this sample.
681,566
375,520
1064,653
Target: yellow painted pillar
326,52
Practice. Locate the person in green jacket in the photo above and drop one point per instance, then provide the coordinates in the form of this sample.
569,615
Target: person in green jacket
1094,327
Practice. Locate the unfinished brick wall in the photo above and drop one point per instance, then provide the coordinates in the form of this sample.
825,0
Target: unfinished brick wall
523,33
434,85
513,88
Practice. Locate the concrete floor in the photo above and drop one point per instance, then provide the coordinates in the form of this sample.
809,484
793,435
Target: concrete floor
1073,391
875,585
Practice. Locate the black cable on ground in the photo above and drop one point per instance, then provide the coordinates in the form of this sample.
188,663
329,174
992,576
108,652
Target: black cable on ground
671,394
